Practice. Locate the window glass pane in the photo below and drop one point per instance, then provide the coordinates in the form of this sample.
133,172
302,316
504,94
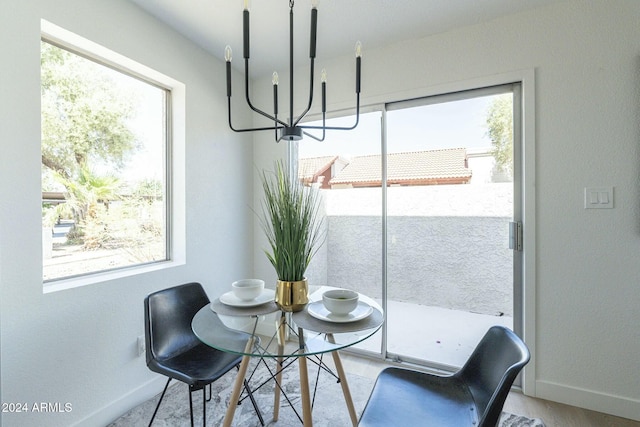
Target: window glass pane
450,201
104,156
352,254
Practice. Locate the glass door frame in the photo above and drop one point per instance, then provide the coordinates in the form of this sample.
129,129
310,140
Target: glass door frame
524,200
515,90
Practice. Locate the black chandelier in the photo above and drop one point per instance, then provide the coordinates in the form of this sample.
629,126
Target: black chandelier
290,130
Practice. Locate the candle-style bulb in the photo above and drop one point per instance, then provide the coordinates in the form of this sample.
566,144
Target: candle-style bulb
358,64
314,4
323,79
246,4
227,57
274,80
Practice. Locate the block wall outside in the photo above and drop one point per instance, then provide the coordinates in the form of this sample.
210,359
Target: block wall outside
446,245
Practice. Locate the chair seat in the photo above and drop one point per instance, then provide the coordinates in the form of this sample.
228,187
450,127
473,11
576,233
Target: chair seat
197,367
408,398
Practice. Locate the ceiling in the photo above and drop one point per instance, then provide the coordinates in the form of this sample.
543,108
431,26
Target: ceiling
212,24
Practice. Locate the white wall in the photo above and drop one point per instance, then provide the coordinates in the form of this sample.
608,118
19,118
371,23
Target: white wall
78,345
585,54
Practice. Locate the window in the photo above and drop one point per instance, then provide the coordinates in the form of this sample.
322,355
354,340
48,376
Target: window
106,151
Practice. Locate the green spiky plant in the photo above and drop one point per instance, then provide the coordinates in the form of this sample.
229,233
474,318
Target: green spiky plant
292,222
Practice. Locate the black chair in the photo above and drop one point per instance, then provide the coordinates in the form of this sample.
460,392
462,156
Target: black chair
473,396
173,350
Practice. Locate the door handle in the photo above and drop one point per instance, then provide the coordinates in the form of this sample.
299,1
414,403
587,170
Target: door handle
515,236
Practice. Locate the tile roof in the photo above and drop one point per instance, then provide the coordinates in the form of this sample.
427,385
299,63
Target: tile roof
448,165
309,167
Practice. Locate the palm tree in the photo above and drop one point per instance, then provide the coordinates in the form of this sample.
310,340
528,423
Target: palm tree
85,194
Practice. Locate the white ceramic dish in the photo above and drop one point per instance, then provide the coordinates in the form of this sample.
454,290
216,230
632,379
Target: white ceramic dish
247,289
319,311
231,299
340,301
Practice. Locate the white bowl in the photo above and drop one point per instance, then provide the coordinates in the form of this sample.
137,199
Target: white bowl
247,289
340,301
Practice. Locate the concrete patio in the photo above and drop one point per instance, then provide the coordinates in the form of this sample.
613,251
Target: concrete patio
439,336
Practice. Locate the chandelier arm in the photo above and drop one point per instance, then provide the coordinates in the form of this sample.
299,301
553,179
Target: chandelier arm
338,127
315,137
332,127
246,86
271,128
275,128
304,113
323,129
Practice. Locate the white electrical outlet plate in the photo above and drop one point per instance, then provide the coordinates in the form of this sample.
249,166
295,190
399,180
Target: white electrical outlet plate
598,197
141,345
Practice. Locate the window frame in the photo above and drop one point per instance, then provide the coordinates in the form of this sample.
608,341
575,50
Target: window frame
174,156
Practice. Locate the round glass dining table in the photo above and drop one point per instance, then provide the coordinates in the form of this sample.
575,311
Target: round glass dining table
297,335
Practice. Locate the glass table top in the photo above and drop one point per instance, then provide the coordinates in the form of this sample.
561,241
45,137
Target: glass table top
230,328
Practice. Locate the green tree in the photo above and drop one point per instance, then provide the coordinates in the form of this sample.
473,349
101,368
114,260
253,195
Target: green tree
87,197
84,114
500,130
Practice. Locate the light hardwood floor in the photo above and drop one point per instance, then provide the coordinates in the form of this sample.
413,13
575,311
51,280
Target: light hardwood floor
553,414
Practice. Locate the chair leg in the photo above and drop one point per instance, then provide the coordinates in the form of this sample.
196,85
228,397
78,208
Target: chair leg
210,393
204,406
159,402
190,406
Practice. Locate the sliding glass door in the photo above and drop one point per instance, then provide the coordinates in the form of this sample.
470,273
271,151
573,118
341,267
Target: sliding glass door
450,200
419,200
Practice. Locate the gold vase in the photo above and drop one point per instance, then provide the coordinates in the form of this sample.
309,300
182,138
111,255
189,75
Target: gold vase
292,296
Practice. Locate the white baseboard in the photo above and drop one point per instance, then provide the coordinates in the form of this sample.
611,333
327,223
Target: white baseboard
123,404
619,406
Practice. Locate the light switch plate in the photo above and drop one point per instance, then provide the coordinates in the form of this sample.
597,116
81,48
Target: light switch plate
598,197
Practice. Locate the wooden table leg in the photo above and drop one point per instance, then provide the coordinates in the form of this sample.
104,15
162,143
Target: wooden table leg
307,420
343,382
237,388
276,397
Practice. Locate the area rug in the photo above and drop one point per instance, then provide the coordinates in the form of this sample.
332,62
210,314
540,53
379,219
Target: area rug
329,408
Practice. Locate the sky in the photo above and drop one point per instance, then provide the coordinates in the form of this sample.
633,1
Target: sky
453,124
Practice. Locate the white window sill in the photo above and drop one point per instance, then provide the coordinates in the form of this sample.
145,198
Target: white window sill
90,279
